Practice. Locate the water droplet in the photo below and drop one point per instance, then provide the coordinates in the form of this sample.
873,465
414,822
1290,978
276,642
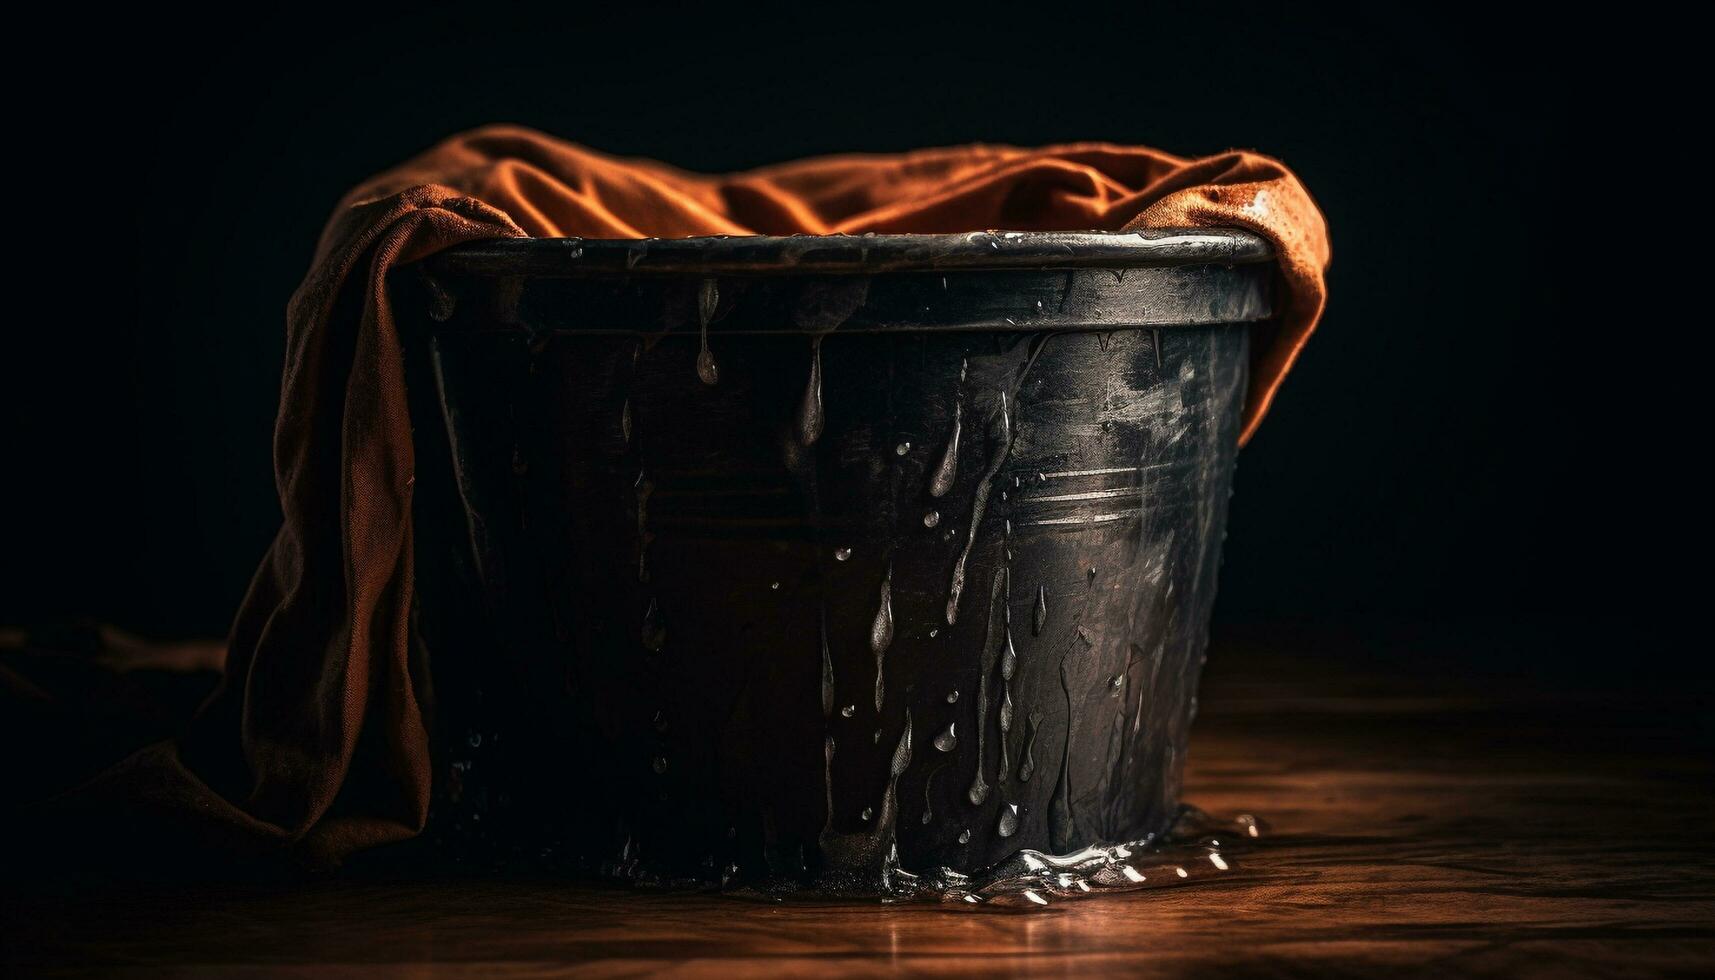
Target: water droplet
1000,435
952,697
1006,709
965,837
654,632
660,721
707,297
948,468
902,449
932,518
934,633
881,631
1181,872
827,671
1131,873
775,586
625,422
644,488
1039,616
848,711
1008,658
842,554
902,751
1116,682
1009,823
1027,767
877,739
868,813
947,741
475,740
1092,573
1218,861
659,765
929,794
810,409
979,790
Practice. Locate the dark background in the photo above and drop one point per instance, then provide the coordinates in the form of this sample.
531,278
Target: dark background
1493,425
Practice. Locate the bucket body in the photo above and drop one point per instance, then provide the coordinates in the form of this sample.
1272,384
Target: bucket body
810,558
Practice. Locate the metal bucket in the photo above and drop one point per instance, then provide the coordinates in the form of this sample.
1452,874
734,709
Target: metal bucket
810,558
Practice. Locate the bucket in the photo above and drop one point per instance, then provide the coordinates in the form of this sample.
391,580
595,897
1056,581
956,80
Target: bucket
812,559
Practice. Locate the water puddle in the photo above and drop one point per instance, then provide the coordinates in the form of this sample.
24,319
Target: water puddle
1198,848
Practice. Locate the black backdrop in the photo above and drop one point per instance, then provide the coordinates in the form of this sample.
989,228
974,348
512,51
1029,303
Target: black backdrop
1474,434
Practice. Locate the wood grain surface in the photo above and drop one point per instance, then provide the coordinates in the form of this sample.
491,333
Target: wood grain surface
1429,812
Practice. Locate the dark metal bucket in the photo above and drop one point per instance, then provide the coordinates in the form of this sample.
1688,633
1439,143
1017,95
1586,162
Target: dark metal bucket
813,557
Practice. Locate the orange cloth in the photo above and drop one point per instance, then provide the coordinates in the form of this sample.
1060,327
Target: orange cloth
316,743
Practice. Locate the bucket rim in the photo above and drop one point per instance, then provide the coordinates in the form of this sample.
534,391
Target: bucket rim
776,255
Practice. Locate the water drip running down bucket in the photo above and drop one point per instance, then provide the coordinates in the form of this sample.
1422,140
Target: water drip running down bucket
822,559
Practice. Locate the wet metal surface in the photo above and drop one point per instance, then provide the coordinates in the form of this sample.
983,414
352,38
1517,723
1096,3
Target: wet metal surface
681,549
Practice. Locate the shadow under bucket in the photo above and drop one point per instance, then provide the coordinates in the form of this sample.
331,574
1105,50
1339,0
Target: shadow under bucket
817,558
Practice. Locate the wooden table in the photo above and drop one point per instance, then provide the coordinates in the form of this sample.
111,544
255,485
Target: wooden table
1430,812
